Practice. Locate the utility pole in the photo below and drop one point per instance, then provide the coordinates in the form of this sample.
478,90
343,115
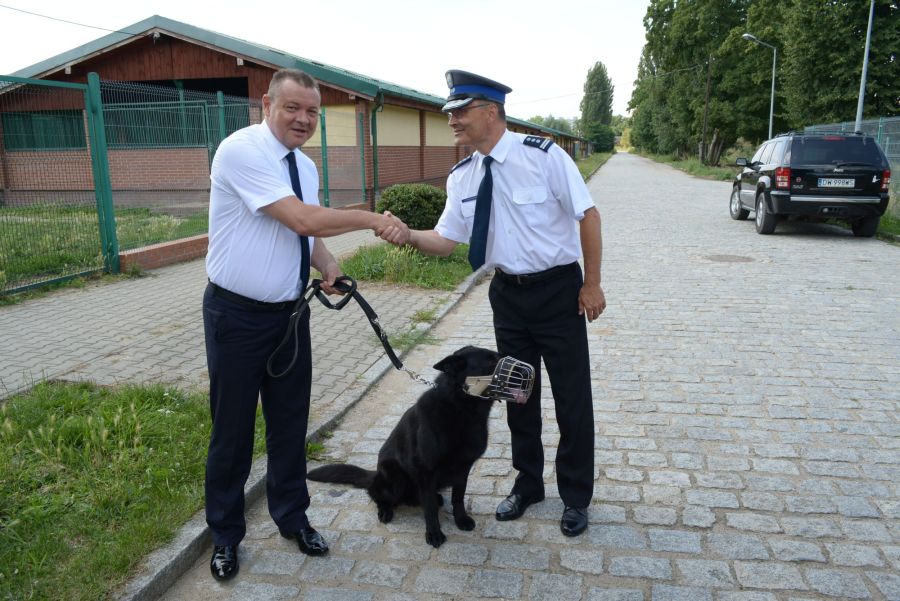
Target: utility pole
706,111
865,69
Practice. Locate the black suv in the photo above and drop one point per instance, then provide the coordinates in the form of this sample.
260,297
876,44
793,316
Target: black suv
814,177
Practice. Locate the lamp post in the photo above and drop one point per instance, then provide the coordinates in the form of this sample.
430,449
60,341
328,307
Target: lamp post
752,38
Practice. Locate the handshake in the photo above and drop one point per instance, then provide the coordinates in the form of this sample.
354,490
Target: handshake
392,229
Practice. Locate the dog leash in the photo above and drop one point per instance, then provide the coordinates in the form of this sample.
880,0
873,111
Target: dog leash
346,286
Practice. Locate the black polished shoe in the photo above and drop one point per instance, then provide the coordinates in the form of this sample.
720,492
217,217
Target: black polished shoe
309,541
513,506
224,562
574,521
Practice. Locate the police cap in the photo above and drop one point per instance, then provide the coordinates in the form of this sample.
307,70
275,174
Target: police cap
466,87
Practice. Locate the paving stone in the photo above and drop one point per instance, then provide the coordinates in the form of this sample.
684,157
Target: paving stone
674,540
605,514
624,474
768,575
810,527
605,492
753,522
617,537
665,592
334,569
518,556
380,574
438,580
336,594
463,553
837,583
809,505
276,562
495,583
661,495
669,478
745,596
553,587
858,507
865,530
778,466
587,561
614,594
887,583
687,461
664,516
705,573
794,550
247,591
641,567
356,544
736,546
843,554
893,555
762,501
712,499
700,517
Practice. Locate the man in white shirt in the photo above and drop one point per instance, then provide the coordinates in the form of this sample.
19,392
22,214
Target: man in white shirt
521,204
265,231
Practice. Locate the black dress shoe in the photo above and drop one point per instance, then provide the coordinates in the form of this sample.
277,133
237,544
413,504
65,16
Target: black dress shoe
224,562
574,521
513,506
309,541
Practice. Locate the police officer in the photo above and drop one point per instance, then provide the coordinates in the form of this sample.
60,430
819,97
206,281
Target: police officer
521,204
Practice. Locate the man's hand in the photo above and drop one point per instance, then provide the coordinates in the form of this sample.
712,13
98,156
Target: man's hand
394,230
329,275
591,301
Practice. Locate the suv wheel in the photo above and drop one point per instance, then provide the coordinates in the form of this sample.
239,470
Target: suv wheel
865,227
765,221
738,212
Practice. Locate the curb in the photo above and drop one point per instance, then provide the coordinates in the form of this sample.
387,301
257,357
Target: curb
167,564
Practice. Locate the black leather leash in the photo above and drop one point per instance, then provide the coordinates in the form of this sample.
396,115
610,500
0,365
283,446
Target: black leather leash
345,285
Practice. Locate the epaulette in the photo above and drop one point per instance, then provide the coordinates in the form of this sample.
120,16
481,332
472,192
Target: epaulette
538,142
461,163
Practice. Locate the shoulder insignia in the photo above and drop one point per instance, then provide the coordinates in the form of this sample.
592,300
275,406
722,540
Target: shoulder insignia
461,163
538,142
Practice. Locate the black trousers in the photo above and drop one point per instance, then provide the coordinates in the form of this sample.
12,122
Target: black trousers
239,340
541,321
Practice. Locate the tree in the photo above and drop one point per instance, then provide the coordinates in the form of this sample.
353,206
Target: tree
596,104
823,64
558,123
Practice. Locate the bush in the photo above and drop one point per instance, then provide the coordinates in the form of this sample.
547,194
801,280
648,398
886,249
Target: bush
418,205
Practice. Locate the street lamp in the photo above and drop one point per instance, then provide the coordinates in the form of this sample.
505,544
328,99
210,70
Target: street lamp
752,38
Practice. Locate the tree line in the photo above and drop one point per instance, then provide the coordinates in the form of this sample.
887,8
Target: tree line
692,44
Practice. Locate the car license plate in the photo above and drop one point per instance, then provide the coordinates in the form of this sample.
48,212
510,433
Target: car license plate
836,182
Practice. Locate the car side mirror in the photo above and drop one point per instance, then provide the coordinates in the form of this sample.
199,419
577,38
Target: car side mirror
741,162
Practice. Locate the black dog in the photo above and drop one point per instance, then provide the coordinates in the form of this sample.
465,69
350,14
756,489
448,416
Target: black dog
434,445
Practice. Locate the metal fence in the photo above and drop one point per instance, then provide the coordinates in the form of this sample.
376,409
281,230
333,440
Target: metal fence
158,144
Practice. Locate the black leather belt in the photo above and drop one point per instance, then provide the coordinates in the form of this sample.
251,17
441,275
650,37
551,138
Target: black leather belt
249,302
529,279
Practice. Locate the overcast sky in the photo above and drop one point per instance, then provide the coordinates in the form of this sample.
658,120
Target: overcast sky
542,49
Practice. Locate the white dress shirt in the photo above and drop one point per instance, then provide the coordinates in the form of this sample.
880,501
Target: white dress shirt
251,253
538,199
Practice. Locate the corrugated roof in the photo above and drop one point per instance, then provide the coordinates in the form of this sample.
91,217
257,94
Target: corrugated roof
341,78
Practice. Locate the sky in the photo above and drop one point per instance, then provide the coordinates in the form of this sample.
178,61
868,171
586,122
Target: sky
542,49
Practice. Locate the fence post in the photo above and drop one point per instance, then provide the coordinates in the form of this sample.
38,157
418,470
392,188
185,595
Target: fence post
220,99
100,165
324,138
374,154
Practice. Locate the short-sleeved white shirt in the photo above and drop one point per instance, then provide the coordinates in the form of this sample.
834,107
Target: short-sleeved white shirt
251,253
538,199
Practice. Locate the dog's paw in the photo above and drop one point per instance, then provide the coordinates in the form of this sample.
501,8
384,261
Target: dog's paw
435,539
464,522
385,514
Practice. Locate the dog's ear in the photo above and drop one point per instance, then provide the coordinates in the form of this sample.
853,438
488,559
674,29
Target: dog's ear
453,364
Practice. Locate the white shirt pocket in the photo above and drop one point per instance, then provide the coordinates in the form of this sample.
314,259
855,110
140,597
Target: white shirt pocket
467,208
530,196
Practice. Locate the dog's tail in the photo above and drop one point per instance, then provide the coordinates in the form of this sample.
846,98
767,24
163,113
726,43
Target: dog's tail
342,473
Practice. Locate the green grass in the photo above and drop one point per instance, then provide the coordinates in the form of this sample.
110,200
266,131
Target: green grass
589,165
91,480
41,242
694,167
406,265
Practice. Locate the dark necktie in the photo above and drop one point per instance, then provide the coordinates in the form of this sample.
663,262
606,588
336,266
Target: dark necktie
478,243
304,242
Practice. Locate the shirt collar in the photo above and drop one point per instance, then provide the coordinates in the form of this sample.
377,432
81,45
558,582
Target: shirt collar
273,143
501,148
